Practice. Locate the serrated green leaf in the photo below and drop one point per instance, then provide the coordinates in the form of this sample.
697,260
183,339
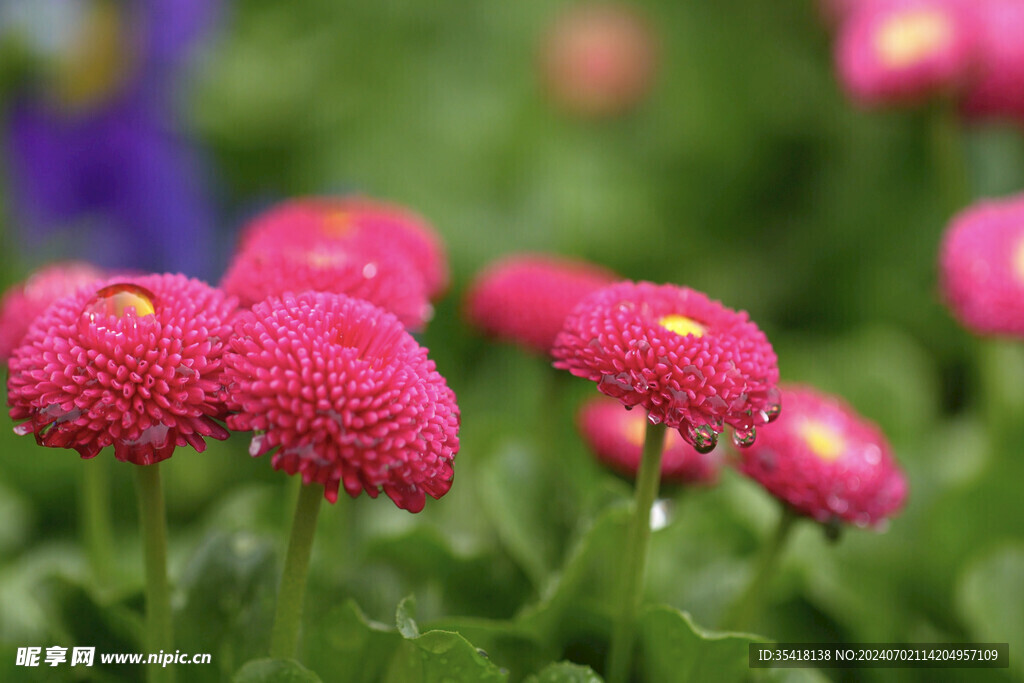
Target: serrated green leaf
565,672
274,671
674,650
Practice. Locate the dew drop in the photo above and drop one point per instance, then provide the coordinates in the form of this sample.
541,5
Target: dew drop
115,300
256,445
654,419
703,438
370,270
772,411
744,438
24,429
661,513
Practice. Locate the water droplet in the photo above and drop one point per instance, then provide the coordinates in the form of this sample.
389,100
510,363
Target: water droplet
24,429
115,301
694,372
654,418
661,513
872,455
744,438
772,411
256,445
702,437
837,504
370,270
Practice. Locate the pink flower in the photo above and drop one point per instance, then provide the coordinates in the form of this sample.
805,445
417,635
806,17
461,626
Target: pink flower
599,59
898,51
982,267
134,364
997,88
345,395
826,462
688,361
376,227
23,302
617,436
379,276
525,298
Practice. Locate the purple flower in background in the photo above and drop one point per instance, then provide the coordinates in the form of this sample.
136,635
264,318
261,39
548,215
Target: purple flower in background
93,151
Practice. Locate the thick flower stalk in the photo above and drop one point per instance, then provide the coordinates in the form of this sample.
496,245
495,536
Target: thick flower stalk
688,361
901,51
525,298
616,438
22,303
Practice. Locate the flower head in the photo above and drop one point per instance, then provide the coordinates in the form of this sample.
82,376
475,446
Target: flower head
599,59
892,51
995,89
982,267
132,363
616,436
689,361
378,276
525,298
376,226
346,397
23,302
826,462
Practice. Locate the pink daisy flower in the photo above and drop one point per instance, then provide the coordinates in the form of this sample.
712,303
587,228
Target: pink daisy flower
997,88
525,298
689,361
376,226
345,395
23,302
617,437
897,51
981,265
376,275
826,462
133,364
599,59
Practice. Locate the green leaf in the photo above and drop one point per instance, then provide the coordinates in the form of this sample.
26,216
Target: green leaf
990,597
675,650
274,671
404,618
229,586
565,672
347,647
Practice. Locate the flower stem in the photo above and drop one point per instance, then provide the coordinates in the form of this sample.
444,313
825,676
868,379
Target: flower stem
284,638
748,606
635,558
949,157
97,529
153,525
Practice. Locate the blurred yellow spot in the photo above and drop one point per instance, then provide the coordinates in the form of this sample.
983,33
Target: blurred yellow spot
337,223
826,442
635,428
1018,261
682,325
98,61
908,37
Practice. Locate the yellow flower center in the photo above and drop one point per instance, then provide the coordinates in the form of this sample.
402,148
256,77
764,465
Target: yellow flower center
826,442
98,61
909,37
682,325
337,223
1018,261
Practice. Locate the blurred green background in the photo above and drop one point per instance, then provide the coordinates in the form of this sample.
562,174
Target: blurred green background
745,173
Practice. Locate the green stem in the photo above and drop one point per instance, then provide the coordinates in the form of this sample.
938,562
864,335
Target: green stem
635,558
949,158
284,638
97,528
748,606
1001,365
153,526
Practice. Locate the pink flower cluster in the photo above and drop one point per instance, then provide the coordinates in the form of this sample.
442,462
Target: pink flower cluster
687,360
345,396
366,249
826,462
903,51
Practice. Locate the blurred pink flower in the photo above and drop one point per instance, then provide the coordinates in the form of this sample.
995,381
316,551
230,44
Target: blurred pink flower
997,88
982,267
616,437
826,462
345,395
525,298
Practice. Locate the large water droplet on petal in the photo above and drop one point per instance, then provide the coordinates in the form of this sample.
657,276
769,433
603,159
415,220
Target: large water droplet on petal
114,301
702,437
744,438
